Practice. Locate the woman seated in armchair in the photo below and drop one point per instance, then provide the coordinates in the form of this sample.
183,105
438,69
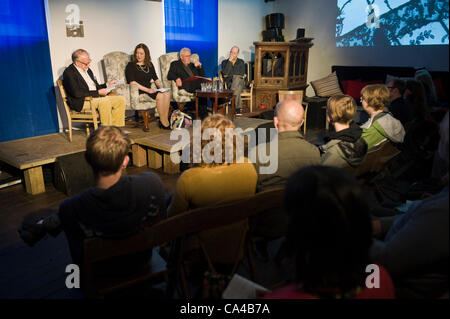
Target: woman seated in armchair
141,72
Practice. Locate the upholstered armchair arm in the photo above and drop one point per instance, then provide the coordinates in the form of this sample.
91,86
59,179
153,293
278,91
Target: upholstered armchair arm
134,96
180,95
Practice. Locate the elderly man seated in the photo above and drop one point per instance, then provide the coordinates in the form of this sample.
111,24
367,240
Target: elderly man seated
79,82
182,69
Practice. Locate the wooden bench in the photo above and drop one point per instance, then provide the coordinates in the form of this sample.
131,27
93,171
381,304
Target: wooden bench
155,150
174,228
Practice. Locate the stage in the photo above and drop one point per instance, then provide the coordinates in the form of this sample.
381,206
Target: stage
148,148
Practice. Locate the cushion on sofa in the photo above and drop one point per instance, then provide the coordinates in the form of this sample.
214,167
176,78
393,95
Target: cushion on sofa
327,86
354,87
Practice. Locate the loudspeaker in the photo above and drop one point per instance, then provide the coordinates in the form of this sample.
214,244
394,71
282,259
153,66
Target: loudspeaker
73,174
300,33
275,20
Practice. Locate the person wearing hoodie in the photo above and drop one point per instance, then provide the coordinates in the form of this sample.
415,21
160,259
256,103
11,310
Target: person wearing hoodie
345,147
381,125
118,206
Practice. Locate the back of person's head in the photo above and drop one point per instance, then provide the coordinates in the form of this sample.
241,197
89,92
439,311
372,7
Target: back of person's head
219,124
415,95
329,229
106,149
425,78
147,58
341,109
400,85
288,115
376,96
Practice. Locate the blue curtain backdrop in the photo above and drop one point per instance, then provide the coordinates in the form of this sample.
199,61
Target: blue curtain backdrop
193,24
28,106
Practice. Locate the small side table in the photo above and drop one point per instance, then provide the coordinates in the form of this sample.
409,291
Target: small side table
215,95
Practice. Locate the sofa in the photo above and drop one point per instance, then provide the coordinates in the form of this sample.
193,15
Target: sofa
351,79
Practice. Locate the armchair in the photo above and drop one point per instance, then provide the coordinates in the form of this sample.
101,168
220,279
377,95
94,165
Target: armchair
180,96
115,63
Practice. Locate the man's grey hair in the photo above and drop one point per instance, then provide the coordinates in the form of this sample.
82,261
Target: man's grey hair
77,53
235,46
184,50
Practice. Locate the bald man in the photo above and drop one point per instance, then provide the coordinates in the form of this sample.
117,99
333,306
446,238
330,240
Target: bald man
233,70
294,152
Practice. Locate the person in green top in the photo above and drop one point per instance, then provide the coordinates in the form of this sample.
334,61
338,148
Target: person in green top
381,125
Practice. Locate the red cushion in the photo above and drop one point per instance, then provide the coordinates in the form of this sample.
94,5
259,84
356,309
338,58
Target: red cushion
441,95
354,87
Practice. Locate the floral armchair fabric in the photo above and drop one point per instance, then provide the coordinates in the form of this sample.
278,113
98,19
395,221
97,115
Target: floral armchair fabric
177,95
115,63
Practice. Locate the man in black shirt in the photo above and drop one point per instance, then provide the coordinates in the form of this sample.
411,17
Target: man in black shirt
233,70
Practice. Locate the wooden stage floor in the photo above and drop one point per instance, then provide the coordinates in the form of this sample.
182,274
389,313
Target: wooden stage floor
30,154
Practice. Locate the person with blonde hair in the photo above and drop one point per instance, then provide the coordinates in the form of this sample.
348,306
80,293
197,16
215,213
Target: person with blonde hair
381,125
215,179
345,147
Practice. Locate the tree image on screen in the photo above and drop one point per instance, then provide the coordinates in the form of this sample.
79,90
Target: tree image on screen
392,22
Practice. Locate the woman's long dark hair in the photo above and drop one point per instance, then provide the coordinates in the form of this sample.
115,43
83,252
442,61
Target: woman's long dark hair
417,99
329,229
147,59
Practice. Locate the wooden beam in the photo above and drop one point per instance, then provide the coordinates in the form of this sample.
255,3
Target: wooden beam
34,180
139,155
154,159
170,167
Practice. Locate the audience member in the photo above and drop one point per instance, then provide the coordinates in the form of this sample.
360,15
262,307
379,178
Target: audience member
233,70
141,72
345,147
415,96
415,249
182,69
216,179
118,206
381,125
293,153
329,236
398,106
79,82
425,78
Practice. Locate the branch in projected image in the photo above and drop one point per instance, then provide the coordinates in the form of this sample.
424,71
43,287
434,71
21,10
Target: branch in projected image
399,23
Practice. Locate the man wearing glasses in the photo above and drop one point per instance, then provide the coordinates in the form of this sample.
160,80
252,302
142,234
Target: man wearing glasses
79,82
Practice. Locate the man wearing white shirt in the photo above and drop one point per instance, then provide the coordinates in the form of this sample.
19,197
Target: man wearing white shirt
79,82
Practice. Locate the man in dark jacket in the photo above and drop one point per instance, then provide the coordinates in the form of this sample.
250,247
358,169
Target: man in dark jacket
79,82
183,69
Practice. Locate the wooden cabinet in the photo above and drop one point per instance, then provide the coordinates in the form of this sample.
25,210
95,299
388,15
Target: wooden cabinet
279,66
